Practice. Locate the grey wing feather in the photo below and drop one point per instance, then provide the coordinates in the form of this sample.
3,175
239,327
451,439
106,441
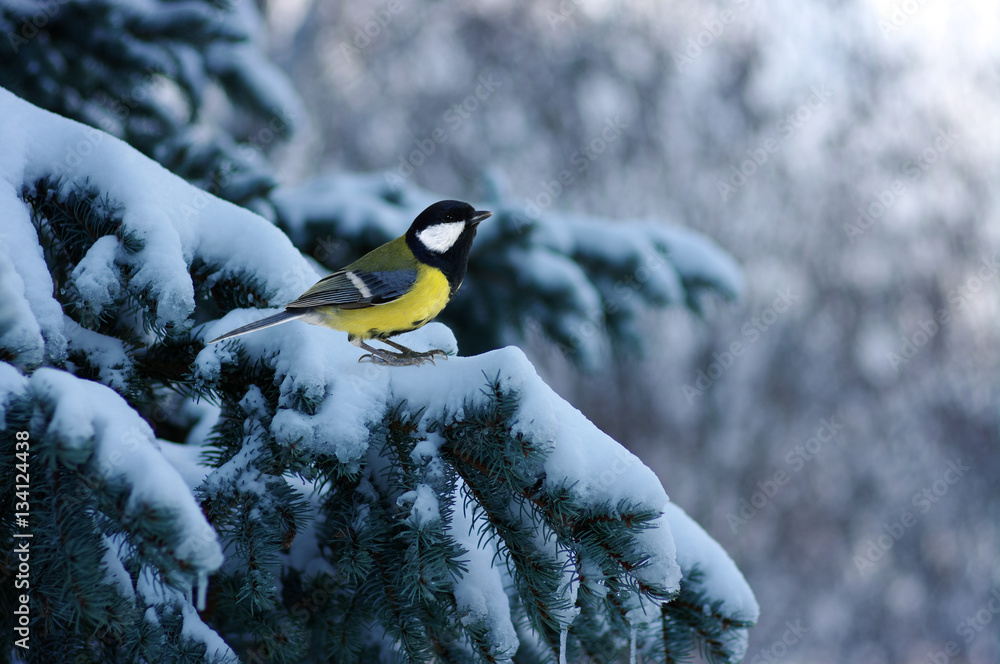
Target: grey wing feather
270,321
364,290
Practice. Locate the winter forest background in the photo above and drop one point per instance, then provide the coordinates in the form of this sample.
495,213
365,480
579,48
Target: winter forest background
698,97
833,428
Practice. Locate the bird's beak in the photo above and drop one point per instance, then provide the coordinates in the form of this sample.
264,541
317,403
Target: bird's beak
480,215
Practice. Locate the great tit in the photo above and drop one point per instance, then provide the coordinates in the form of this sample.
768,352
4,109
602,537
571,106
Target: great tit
395,288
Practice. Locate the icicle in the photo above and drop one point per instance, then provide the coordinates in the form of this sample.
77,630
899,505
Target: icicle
631,647
562,646
202,589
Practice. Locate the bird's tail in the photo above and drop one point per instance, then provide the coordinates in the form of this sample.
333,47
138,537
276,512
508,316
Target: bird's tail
270,321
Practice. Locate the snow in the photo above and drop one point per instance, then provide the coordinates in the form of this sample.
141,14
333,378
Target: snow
186,460
114,571
353,396
696,257
96,278
662,569
425,454
365,205
174,222
96,430
205,415
570,586
587,282
20,334
115,367
30,279
196,630
308,364
156,594
423,504
479,593
95,426
596,468
202,586
321,363
557,277
360,204
681,254
12,385
253,403
264,80
174,225
722,579
238,472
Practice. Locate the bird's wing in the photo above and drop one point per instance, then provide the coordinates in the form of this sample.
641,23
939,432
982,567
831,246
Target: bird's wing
355,289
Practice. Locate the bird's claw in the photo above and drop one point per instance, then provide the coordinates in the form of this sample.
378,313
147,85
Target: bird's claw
428,354
413,358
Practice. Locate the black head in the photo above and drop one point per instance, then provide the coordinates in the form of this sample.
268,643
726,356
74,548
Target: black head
441,236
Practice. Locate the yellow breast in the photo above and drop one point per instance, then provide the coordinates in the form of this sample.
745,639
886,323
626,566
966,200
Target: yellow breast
429,295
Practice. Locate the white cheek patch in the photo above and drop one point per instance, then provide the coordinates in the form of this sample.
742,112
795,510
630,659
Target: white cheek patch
441,237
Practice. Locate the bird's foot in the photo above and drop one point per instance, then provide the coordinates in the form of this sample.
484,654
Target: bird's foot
427,355
402,359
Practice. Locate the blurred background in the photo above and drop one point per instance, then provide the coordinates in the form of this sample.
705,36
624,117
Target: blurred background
836,429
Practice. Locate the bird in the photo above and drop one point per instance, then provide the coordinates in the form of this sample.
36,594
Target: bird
393,289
